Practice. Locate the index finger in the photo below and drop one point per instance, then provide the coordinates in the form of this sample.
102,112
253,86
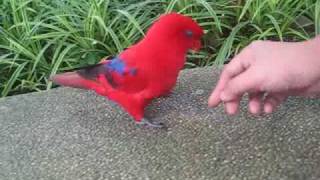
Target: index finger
236,66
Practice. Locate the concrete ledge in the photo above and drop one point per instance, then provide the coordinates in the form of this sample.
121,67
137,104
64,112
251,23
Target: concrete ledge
74,134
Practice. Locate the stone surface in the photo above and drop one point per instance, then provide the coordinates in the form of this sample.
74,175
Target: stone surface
74,134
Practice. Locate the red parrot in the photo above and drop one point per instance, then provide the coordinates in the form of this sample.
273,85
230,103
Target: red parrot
145,71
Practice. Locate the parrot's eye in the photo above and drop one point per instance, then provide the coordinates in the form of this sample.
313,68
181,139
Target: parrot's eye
189,33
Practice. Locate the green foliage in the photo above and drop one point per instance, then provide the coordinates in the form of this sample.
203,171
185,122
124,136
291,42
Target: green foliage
39,38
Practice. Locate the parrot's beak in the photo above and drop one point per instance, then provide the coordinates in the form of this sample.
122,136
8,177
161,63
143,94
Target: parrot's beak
196,46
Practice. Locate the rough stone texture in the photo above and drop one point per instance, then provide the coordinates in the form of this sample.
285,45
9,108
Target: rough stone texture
74,134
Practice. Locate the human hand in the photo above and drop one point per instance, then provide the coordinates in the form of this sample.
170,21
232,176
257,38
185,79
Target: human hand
269,72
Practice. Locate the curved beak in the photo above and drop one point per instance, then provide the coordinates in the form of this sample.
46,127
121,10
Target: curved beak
196,46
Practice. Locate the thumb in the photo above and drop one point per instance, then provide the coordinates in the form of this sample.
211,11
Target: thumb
240,84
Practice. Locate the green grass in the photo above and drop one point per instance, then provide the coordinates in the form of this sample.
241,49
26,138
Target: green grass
42,37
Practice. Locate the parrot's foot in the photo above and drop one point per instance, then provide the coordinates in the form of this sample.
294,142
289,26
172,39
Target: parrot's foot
166,95
148,123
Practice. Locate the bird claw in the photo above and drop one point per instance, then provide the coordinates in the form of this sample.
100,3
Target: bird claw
148,123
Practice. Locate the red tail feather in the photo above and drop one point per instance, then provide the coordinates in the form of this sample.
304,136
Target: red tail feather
72,79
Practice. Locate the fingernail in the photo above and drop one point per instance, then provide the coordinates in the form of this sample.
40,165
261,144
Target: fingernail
268,109
231,112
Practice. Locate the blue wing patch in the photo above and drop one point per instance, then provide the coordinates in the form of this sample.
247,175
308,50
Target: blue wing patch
118,65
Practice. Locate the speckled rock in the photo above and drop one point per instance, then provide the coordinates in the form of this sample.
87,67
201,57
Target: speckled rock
74,134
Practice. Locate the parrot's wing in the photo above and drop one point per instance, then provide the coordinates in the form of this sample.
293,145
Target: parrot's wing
87,76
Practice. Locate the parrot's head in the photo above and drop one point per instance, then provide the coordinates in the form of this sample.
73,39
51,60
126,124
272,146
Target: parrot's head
174,29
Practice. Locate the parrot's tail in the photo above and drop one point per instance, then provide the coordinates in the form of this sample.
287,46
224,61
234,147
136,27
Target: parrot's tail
71,79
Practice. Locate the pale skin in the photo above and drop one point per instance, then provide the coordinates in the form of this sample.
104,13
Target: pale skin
269,72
